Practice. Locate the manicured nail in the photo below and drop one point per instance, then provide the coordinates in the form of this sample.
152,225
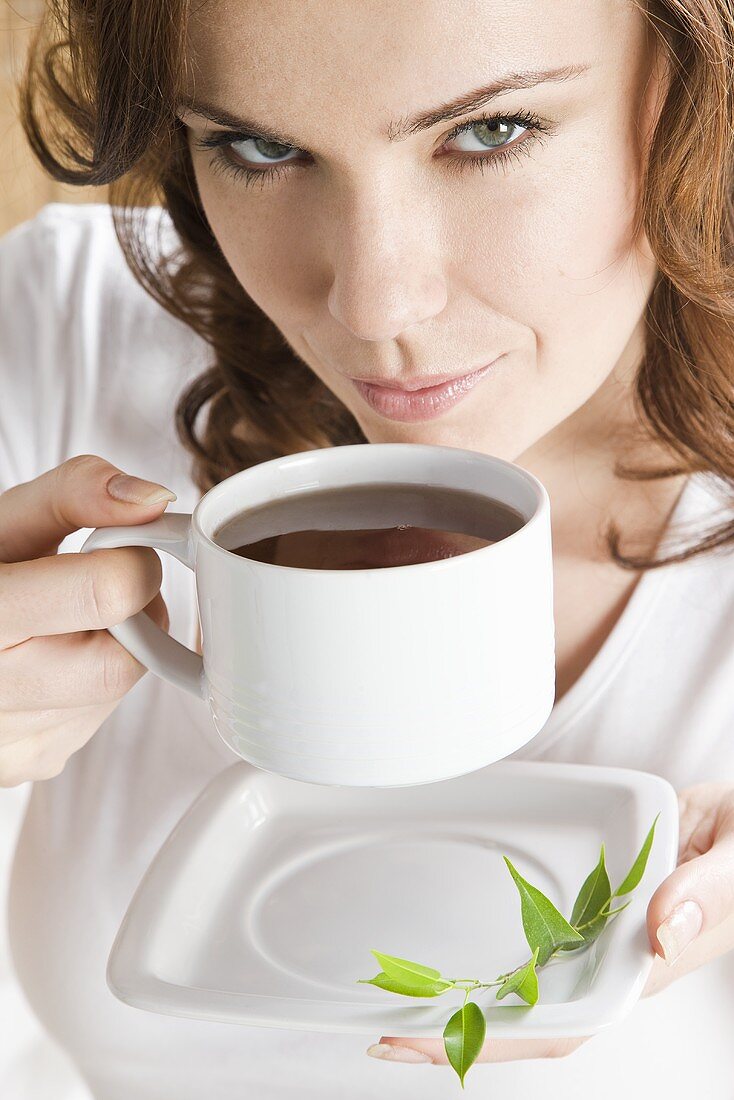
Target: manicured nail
396,1054
679,930
133,490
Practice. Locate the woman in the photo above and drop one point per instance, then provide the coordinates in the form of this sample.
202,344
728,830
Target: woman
363,201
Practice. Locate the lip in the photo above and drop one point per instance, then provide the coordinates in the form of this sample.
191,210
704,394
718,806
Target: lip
414,403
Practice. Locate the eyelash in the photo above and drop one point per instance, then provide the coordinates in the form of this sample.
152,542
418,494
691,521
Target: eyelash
535,129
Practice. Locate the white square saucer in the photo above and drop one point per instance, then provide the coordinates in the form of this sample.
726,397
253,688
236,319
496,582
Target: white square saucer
263,904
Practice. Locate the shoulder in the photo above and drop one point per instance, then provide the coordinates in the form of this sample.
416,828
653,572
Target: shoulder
60,220
69,250
64,232
65,272
80,224
707,578
707,501
88,358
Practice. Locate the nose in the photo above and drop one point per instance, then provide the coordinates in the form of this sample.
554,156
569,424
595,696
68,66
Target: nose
387,274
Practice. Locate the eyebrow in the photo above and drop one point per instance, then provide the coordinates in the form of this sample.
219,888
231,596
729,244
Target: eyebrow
405,127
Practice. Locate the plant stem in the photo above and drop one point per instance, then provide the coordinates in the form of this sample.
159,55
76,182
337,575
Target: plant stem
474,983
586,924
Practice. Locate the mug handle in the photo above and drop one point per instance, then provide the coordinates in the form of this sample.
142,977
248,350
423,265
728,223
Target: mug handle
140,636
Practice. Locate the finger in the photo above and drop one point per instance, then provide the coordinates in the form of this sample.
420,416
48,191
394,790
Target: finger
494,1050
37,515
70,670
699,894
43,746
698,810
659,978
70,592
158,612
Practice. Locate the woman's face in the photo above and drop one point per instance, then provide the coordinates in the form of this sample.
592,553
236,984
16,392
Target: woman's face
388,247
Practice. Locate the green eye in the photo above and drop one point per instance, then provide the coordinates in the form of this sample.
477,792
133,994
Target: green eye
494,132
489,133
272,149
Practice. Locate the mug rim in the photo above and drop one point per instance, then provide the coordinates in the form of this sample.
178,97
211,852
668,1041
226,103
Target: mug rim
542,503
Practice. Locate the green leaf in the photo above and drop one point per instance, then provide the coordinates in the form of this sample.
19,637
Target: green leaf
637,869
595,927
523,981
463,1037
545,928
405,970
425,987
593,895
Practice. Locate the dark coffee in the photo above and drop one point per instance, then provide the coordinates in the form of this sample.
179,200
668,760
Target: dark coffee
368,527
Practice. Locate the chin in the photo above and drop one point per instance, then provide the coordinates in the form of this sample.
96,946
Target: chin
445,431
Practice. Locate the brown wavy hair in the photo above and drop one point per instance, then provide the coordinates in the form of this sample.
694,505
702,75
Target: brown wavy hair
98,103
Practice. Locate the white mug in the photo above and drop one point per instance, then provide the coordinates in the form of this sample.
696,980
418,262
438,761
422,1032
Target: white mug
367,677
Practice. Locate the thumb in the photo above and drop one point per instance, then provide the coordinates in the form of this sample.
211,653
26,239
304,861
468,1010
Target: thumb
85,491
698,895
158,612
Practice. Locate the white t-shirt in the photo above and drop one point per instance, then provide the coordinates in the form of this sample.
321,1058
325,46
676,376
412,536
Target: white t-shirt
90,364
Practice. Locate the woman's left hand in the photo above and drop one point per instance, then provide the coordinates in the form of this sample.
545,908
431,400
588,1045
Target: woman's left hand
690,920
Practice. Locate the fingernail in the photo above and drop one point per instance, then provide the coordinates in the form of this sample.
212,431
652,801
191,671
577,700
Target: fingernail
133,490
679,930
396,1054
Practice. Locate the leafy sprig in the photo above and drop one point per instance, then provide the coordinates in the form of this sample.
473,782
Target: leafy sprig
547,932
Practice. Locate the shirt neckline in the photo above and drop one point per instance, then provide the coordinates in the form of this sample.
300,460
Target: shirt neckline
606,663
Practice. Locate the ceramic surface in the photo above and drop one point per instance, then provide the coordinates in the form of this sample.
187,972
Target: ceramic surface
367,677
263,905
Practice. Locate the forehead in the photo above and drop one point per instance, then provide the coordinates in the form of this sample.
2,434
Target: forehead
368,60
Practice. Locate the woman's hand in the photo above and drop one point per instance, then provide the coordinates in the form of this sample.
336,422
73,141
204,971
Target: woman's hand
61,672
690,920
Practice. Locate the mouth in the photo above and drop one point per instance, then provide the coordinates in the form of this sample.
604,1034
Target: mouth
418,401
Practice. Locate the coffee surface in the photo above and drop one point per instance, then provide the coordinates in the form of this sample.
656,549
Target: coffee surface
369,526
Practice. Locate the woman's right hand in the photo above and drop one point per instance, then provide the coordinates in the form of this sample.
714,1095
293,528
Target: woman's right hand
61,672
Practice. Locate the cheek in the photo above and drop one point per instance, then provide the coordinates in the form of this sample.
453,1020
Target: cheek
265,245
554,253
